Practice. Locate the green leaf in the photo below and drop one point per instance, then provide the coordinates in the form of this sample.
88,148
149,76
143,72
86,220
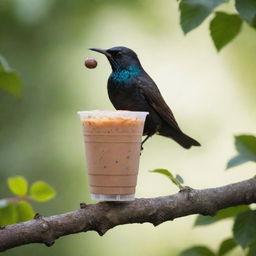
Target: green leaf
41,191
220,215
246,148
224,28
25,211
194,12
226,246
9,79
237,160
18,185
197,251
252,249
244,229
247,10
246,145
205,220
179,178
164,172
8,215
169,175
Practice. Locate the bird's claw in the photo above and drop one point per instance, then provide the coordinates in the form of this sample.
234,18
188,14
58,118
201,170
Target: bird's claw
141,149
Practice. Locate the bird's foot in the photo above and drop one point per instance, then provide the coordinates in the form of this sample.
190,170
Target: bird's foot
141,145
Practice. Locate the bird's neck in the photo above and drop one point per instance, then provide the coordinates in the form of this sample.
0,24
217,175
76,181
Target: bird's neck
125,74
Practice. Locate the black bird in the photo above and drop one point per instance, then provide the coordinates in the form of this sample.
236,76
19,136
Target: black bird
131,88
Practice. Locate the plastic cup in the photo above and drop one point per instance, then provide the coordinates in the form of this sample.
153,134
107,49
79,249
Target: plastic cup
112,144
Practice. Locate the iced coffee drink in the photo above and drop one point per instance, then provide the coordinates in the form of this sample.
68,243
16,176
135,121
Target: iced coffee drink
112,144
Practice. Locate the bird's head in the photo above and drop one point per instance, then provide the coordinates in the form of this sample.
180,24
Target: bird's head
120,57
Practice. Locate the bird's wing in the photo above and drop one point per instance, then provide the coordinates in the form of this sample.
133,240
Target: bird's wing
156,101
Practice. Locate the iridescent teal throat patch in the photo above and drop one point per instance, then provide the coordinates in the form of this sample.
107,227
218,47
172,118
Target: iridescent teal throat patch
125,74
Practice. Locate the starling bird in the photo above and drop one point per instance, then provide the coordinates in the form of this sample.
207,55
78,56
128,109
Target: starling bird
131,88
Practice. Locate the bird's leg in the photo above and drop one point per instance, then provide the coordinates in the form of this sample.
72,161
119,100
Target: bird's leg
141,147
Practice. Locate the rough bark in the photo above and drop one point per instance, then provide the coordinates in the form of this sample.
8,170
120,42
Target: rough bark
103,216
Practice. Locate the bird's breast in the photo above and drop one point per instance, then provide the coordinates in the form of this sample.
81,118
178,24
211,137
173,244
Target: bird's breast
125,95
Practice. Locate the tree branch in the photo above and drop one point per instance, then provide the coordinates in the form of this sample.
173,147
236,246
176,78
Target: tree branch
103,216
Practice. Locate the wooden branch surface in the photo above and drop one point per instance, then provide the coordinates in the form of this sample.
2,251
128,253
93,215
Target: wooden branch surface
103,216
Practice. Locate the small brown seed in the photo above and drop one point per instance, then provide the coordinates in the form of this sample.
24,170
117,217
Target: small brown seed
90,63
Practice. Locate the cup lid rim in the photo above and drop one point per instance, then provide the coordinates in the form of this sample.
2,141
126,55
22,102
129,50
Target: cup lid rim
113,113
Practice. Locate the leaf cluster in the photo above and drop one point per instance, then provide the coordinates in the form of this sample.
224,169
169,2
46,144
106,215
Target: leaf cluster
224,27
17,209
244,225
243,231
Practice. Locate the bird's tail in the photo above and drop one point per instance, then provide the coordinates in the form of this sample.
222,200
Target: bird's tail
184,140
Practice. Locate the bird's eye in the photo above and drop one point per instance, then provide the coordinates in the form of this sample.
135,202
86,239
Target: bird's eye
118,54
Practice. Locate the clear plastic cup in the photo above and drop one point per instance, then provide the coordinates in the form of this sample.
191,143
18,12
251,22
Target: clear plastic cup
112,144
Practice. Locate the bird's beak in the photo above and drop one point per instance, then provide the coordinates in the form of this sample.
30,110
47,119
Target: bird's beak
107,54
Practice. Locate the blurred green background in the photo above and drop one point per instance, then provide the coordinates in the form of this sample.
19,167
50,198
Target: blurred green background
212,96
